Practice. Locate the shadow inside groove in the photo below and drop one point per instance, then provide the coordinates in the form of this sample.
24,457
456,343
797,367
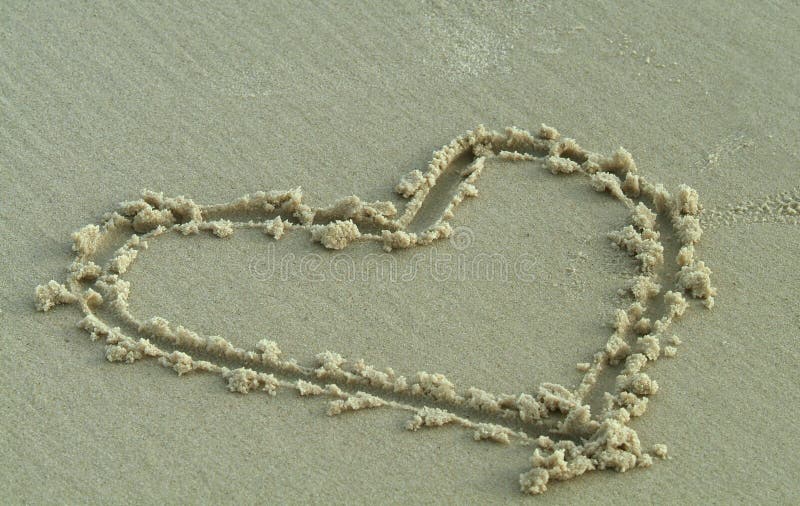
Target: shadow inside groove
440,195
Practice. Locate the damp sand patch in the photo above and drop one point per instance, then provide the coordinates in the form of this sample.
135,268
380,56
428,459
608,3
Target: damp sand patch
568,430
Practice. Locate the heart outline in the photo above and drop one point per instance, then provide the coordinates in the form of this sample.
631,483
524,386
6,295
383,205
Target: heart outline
338,225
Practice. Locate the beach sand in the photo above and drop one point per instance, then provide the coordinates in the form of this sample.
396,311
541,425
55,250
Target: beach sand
214,102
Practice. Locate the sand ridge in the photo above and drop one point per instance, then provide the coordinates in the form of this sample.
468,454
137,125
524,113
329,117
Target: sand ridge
639,338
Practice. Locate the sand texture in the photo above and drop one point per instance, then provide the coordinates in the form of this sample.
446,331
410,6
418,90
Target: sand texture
614,292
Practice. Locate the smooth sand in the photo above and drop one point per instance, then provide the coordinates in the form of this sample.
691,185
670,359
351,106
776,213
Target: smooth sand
216,102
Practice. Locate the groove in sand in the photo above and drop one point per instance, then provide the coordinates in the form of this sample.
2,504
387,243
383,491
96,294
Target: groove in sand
604,440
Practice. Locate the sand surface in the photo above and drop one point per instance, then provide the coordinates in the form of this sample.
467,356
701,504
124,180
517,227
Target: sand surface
217,101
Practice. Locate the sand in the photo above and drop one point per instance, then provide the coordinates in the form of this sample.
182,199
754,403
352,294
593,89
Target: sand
682,245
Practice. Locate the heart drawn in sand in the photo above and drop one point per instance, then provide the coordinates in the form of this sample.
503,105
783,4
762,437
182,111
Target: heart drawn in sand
577,440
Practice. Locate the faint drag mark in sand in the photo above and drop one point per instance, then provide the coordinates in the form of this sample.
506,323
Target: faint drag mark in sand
782,207
725,148
578,441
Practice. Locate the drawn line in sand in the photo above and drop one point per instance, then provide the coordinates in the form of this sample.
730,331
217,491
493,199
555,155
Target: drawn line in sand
578,440
783,207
